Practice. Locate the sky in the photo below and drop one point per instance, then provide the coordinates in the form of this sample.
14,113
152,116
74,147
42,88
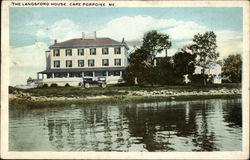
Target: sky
33,30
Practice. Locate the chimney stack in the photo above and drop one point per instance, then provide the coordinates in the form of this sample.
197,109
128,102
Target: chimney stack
55,41
123,40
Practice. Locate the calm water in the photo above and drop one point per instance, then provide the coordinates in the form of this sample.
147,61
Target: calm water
203,125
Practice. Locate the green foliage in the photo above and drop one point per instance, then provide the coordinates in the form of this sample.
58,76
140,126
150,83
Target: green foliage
141,69
128,75
137,68
54,85
196,78
45,86
155,42
184,63
205,48
232,68
165,72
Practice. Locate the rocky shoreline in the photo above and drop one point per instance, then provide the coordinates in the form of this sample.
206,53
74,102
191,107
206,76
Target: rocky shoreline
18,95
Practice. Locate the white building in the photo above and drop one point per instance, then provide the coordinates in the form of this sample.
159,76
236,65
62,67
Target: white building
69,61
214,71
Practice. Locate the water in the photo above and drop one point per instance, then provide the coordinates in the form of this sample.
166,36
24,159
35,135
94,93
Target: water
201,125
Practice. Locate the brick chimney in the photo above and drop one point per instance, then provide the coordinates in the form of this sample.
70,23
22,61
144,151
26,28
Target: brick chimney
55,41
89,35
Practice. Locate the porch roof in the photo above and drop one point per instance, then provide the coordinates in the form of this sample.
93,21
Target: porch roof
81,69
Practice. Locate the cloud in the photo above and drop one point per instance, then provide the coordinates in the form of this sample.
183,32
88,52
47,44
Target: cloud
61,30
185,30
229,47
228,35
32,55
134,27
35,22
19,75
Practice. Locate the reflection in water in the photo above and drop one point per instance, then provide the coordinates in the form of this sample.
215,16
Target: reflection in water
205,125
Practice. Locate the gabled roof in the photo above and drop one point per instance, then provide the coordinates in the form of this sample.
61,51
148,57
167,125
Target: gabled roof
88,42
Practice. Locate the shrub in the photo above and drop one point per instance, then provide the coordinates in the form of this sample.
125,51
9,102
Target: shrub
196,78
45,86
11,89
53,85
67,85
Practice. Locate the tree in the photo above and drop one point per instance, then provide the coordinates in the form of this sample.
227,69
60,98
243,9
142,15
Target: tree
205,48
232,67
165,72
155,42
137,68
141,68
184,63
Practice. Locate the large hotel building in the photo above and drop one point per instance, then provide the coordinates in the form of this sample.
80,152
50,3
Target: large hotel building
69,61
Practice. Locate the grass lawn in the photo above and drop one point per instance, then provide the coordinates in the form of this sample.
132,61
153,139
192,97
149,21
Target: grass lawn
115,90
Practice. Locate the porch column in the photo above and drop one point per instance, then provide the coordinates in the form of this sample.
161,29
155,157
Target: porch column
67,75
82,74
120,73
107,74
42,76
52,75
93,74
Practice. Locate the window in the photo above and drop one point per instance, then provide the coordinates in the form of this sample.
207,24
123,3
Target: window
92,51
57,75
105,51
91,62
56,64
116,73
80,52
68,63
117,62
105,62
104,73
80,63
68,52
117,50
56,52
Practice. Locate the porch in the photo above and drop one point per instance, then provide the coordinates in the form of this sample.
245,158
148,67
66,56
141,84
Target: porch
111,74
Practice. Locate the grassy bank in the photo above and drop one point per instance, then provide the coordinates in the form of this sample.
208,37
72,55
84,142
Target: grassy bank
114,90
114,100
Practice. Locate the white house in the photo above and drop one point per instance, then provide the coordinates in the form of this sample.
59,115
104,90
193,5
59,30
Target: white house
214,71
70,60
